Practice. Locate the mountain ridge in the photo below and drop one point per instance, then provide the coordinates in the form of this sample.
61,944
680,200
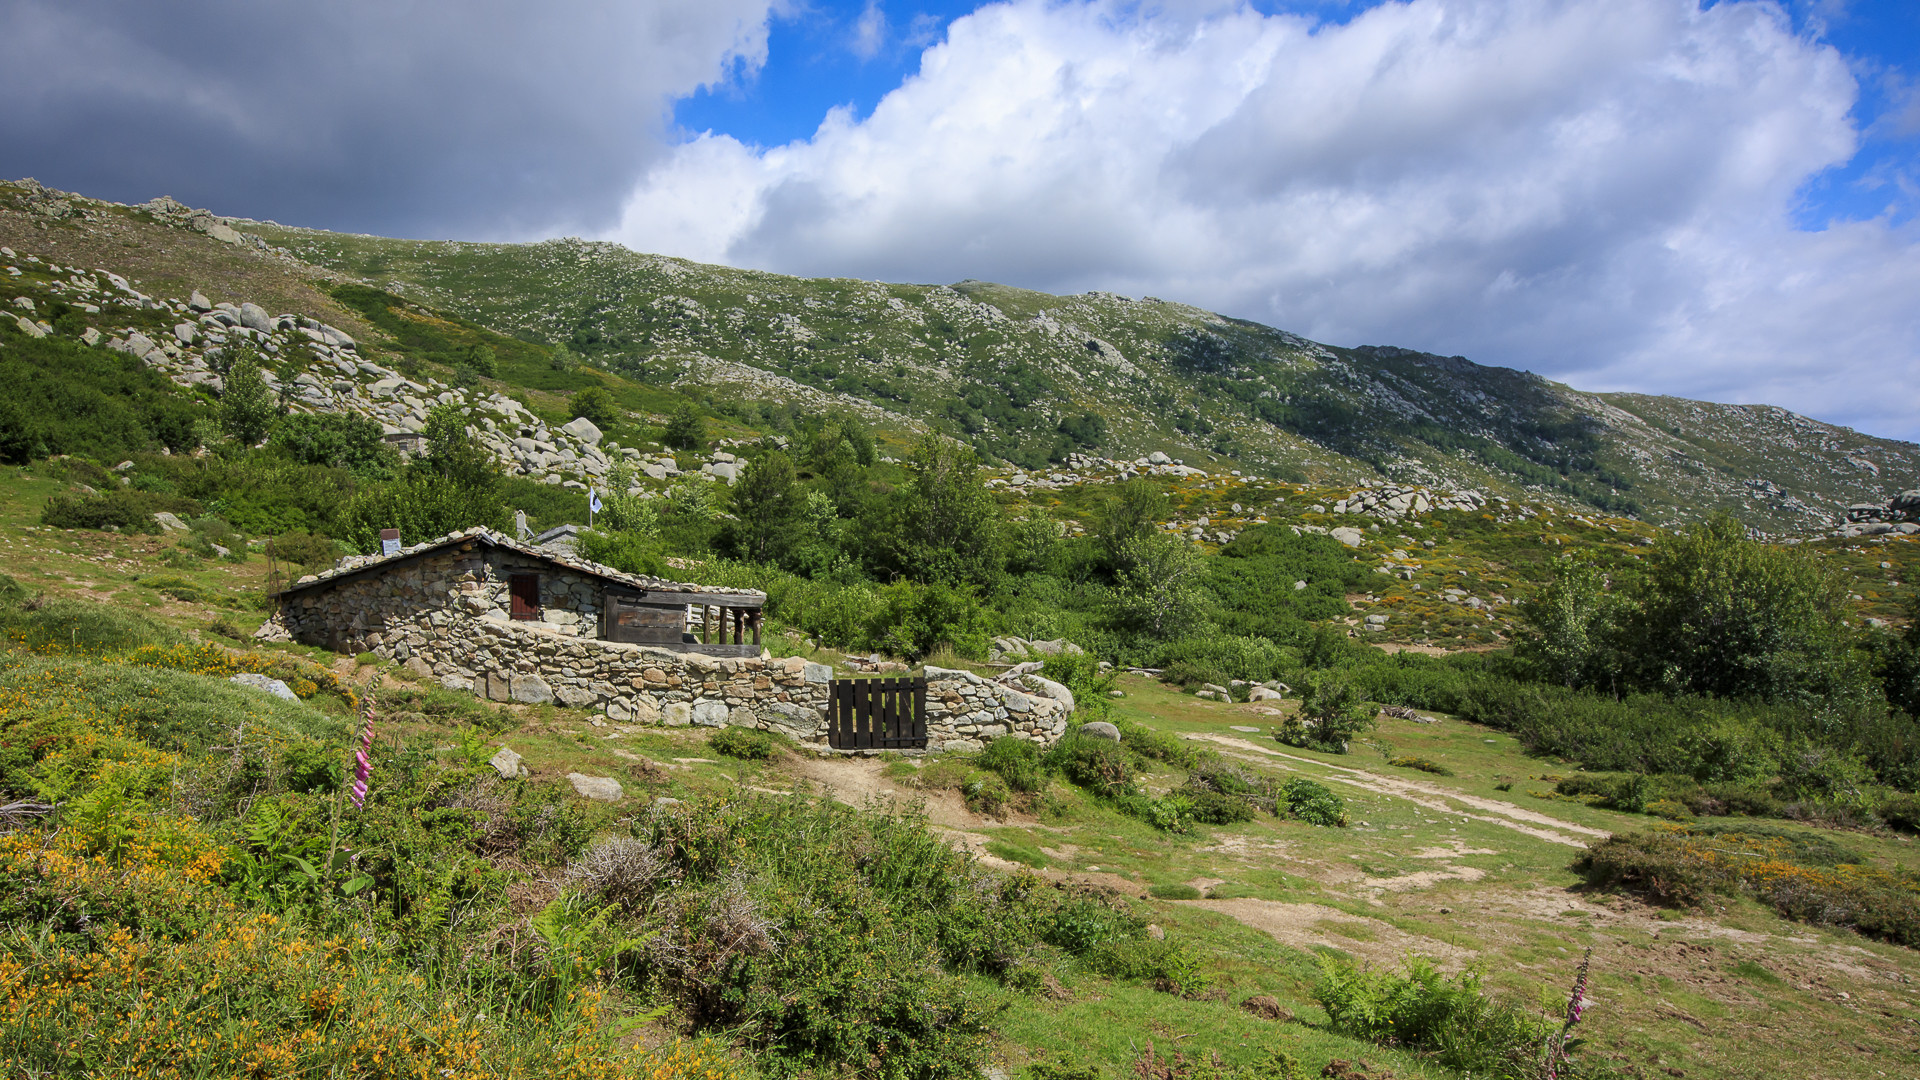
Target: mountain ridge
1028,377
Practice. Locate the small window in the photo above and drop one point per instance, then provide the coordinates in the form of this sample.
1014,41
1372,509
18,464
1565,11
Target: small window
524,589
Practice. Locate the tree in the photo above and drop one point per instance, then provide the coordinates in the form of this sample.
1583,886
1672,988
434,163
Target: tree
246,405
1720,614
453,452
1571,625
1131,513
1158,590
482,360
686,428
1332,712
943,525
766,503
596,404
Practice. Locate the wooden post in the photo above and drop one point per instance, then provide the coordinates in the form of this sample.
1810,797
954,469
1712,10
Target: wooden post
756,627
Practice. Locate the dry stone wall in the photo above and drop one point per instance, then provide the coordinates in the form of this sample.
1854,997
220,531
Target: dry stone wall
445,617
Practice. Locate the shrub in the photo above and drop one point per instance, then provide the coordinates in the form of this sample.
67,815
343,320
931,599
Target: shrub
1901,812
1018,762
1174,892
1313,803
596,404
1169,965
80,626
1098,765
304,549
1080,673
748,744
1451,1017
130,511
628,552
1802,876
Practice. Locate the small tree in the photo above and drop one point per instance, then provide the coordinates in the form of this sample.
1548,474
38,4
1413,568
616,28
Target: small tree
1158,592
1332,712
246,405
1129,514
1570,626
686,428
454,453
482,360
766,503
596,404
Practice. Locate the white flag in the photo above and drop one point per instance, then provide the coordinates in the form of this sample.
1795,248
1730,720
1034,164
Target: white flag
593,500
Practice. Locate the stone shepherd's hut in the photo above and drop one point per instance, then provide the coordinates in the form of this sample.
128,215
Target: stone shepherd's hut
514,622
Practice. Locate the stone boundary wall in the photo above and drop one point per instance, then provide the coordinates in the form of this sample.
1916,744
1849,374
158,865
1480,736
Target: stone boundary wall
965,711
440,617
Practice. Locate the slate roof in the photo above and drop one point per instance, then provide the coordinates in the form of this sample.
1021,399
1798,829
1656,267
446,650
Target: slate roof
359,566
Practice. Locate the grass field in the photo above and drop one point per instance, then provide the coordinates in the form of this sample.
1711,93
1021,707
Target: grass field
1472,870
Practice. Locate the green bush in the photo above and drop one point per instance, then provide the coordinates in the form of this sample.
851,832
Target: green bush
423,507
1313,803
1018,762
1098,765
1173,892
628,552
1450,1017
1169,965
1901,812
828,937
305,549
337,440
128,511
1800,874
749,744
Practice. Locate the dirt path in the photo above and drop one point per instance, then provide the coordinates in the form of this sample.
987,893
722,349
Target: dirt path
1310,926
1431,796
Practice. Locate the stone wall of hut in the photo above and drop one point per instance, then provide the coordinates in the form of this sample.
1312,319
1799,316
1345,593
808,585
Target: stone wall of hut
445,617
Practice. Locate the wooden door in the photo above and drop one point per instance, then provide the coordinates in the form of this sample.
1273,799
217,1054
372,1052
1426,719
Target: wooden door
524,591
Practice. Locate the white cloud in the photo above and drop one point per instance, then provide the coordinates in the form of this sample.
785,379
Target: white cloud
1599,190
870,31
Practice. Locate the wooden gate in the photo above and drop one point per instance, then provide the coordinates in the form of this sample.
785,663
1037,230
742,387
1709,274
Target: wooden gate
877,714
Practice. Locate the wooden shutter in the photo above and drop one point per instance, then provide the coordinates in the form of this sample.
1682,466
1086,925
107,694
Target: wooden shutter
525,592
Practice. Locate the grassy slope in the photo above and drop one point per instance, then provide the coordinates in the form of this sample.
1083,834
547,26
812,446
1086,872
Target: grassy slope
1421,870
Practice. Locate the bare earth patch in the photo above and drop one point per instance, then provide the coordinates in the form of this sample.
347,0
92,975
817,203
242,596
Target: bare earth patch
1305,926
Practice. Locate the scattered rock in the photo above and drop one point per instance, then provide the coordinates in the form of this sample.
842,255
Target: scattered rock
255,317
1100,729
507,764
603,788
583,429
169,523
1347,535
265,684
199,302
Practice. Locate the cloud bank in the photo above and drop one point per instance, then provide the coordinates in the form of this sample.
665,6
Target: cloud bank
436,118
1602,191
